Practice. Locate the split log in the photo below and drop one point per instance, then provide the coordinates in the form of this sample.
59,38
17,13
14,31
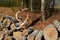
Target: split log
39,35
1,35
1,17
12,26
50,32
6,22
17,35
5,30
57,24
8,38
32,35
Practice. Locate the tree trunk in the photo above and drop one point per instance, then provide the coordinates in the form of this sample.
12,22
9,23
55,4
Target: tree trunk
42,10
31,5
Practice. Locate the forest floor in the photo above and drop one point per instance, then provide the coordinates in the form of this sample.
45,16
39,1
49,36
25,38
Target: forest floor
34,18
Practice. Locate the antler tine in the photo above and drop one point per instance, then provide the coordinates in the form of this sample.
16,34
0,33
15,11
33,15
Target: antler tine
24,9
23,23
16,16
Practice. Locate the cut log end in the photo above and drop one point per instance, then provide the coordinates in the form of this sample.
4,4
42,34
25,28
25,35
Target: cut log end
6,22
50,33
25,32
13,27
17,35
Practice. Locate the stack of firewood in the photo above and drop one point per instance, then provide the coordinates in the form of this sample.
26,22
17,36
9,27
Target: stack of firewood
16,29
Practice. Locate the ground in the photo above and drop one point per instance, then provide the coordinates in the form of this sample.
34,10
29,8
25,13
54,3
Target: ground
34,18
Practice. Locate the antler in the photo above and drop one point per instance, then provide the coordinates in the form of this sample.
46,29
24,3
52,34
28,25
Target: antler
20,20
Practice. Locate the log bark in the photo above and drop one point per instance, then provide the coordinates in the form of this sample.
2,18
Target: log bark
17,35
39,35
32,35
1,27
6,22
57,24
50,32
1,17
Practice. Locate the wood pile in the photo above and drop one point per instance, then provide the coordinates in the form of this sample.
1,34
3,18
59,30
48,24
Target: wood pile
15,29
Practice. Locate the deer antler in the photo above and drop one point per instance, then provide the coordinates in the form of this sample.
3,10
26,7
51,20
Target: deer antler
23,22
20,20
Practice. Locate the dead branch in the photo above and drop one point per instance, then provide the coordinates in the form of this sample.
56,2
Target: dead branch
50,32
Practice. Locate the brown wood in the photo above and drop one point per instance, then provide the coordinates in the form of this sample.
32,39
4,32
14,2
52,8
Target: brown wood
17,35
50,32
6,22
12,26
25,32
5,30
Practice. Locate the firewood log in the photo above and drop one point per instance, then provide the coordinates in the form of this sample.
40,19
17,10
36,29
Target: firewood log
57,24
25,32
8,38
6,22
32,35
39,35
1,17
50,32
1,35
17,35
5,30
12,26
